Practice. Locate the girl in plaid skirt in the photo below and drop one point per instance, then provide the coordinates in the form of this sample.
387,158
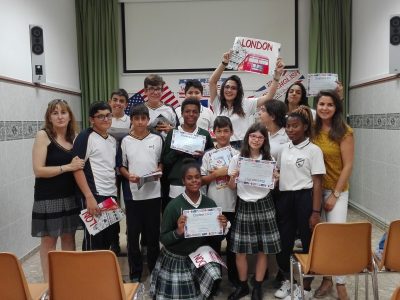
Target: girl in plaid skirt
175,276
255,230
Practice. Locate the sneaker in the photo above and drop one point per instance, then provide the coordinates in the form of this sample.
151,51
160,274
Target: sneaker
284,290
297,294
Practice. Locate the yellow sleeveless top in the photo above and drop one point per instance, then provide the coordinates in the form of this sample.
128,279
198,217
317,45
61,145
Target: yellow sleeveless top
332,158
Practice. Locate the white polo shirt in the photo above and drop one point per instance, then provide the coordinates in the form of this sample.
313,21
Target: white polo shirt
277,142
206,118
123,122
239,124
141,157
246,192
297,164
166,111
223,196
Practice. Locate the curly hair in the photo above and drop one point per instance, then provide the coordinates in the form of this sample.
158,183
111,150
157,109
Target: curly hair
303,113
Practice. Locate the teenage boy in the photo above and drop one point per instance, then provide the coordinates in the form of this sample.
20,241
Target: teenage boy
97,180
119,128
194,89
162,117
140,154
172,158
214,171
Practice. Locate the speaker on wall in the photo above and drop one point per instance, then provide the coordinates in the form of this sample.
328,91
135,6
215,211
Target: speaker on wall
37,54
394,44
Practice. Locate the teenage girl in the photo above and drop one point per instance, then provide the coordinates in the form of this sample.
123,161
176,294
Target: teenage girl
255,229
301,167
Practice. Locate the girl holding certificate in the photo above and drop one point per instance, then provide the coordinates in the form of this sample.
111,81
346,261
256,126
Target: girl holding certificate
335,138
301,167
255,230
175,276
230,102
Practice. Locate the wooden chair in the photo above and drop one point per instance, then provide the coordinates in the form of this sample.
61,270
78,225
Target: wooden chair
13,285
337,249
87,275
396,294
390,261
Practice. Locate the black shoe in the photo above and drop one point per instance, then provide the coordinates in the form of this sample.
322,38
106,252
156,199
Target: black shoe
257,293
241,291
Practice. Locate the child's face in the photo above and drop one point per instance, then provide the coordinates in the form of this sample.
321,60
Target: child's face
139,123
295,129
154,93
101,121
190,114
294,95
256,140
265,117
193,92
223,136
118,105
230,90
192,180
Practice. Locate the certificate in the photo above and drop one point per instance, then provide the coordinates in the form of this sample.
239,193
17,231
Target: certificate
256,172
187,142
202,222
321,81
218,159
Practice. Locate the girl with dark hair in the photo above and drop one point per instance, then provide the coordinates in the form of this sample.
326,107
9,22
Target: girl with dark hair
335,138
255,230
295,96
175,276
301,167
230,102
55,212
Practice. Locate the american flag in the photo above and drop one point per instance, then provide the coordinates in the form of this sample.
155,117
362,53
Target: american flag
167,97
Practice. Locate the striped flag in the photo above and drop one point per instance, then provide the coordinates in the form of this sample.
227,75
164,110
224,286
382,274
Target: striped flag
167,97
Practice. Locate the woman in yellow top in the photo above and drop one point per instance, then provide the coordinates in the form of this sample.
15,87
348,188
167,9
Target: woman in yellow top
335,138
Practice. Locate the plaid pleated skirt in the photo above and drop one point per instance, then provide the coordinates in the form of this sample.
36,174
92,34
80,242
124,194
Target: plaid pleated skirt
55,217
255,228
176,277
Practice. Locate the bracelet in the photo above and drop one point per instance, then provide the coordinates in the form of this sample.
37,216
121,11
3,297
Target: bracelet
61,169
316,211
224,63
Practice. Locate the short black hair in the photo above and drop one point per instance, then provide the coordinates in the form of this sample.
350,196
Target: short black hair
189,163
189,101
96,106
193,83
140,110
121,92
222,122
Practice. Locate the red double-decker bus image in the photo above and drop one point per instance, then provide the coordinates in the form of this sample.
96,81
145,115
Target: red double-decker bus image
256,63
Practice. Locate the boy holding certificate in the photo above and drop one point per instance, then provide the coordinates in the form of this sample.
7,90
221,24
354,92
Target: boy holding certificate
214,171
139,155
173,158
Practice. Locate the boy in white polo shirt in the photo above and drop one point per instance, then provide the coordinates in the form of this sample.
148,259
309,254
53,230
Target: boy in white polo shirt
139,155
97,180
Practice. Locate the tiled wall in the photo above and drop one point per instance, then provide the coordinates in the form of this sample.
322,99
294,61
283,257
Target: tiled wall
375,117
22,110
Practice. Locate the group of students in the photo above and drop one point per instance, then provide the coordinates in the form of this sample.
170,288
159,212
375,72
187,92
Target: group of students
314,161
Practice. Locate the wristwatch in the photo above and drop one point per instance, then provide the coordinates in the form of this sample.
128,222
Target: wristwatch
336,194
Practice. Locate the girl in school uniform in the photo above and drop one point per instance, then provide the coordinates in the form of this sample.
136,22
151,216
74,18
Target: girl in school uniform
255,230
301,167
175,276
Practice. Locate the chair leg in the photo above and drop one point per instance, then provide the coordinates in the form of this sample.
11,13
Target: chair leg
356,278
374,276
291,278
366,286
301,278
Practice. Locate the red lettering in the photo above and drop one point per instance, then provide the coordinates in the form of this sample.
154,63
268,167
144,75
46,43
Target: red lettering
256,45
199,260
89,219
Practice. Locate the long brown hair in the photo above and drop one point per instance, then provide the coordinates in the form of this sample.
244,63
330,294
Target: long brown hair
265,148
339,126
71,128
237,106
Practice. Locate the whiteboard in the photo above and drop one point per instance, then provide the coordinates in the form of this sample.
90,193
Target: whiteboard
191,35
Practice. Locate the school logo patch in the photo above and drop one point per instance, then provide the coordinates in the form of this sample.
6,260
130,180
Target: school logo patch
299,162
151,147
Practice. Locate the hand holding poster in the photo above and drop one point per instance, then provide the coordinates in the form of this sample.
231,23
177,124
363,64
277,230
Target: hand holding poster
321,81
253,55
204,255
203,222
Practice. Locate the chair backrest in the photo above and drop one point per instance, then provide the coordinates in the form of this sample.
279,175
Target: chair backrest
12,278
391,251
396,294
85,275
340,248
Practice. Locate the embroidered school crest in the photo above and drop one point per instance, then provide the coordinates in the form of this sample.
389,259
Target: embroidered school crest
299,162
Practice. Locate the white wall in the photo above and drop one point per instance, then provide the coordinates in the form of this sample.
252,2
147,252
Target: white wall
22,107
374,113
251,82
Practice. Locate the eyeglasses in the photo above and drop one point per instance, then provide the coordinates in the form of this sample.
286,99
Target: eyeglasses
152,89
230,87
256,137
104,117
